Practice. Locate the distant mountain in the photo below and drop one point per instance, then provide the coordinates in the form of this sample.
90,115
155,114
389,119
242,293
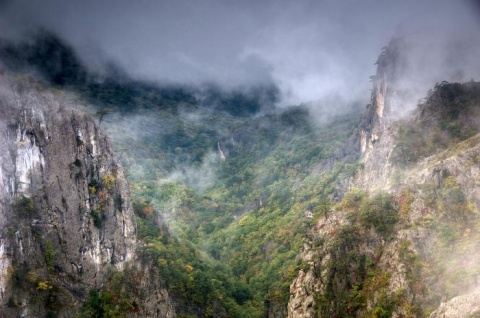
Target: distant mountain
58,64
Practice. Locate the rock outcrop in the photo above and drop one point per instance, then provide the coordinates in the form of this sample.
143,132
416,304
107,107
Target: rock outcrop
467,305
403,241
379,110
66,221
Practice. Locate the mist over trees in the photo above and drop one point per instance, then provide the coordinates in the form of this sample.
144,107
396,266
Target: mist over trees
241,139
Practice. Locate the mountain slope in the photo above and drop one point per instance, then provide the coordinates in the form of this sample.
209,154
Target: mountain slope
404,238
226,192
250,218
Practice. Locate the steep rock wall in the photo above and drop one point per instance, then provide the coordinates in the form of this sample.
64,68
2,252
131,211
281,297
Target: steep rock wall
371,143
426,265
66,220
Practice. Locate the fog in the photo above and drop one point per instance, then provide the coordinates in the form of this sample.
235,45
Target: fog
320,53
310,49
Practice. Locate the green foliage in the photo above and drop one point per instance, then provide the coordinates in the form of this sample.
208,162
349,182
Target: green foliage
380,213
96,218
49,254
453,204
108,182
198,281
231,241
236,237
93,186
405,203
115,298
352,200
23,206
106,304
353,276
414,270
42,285
385,305
247,228
447,117
20,276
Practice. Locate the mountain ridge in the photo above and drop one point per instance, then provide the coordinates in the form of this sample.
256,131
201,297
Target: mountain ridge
224,198
379,251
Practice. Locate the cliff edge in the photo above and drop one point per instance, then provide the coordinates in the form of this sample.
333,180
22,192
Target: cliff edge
66,222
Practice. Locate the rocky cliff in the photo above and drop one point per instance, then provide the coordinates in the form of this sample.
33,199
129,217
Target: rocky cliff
403,242
66,221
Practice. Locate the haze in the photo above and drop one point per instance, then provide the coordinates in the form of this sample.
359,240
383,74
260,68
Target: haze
309,49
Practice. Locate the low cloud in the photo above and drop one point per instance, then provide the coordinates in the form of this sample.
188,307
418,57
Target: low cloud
310,49
199,177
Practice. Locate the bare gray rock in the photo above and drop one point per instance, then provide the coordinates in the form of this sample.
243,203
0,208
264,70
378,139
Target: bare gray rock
462,306
66,218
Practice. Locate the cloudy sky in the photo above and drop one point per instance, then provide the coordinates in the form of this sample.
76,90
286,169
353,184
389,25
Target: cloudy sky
310,49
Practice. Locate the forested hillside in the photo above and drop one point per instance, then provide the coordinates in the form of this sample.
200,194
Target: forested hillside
228,188
403,241
224,185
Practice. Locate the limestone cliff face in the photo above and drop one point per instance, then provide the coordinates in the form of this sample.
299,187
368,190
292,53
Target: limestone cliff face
429,263
383,91
372,145
404,240
387,100
466,305
66,219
